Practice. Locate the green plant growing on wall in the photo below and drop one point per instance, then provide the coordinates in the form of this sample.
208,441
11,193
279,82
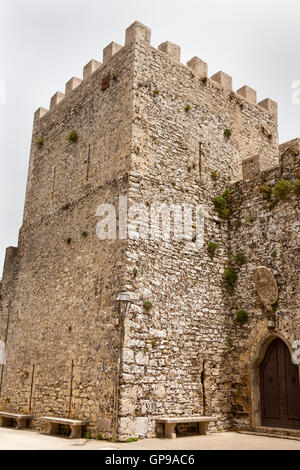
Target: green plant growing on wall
252,246
68,240
241,317
153,342
250,219
296,188
39,141
84,234
136,412
155,91
148,305
99,437
222,204
230,277
212,247
73,136
240,258
282,188
266,192
227,132
187,107
135,271
214,175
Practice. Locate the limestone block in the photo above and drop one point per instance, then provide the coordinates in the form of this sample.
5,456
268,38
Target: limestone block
127,426
57,98
269,105
110,50
127,406
251,167
90,68
128,356
198,66
159,391
157,333
142,359
248,93
40,112
223,79
130,392
137,32
141,427
72,84
171,49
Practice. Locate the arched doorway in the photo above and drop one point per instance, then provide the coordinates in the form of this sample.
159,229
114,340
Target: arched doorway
279,388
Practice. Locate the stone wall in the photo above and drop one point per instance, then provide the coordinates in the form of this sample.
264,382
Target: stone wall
175,355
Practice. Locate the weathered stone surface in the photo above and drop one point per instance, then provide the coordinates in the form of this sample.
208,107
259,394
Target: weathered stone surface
110,50
73,83
90,68
138,32
198,66
248,93
251,167
171,49
223,79
266,286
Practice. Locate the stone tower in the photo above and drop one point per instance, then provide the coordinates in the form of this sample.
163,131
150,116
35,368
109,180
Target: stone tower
145,126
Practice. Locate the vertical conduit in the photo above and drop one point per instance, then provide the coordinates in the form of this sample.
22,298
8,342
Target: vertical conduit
71,389
31,387
203,387
5,341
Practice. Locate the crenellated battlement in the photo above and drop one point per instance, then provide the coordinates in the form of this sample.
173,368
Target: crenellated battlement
139,33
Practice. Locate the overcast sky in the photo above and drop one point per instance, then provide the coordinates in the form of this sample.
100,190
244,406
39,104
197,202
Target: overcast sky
43,43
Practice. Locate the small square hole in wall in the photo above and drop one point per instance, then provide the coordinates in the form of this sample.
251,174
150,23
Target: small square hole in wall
105,82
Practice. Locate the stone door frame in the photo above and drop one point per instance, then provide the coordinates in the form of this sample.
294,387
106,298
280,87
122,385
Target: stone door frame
257,358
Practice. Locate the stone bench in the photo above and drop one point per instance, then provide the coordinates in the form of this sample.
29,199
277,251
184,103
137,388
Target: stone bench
170,424
22,419
75,425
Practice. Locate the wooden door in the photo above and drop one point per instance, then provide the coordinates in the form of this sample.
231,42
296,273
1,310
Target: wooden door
279,388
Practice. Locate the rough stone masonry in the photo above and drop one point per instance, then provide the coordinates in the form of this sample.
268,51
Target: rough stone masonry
143,124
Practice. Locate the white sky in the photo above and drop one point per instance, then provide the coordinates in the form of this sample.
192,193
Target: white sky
43,43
